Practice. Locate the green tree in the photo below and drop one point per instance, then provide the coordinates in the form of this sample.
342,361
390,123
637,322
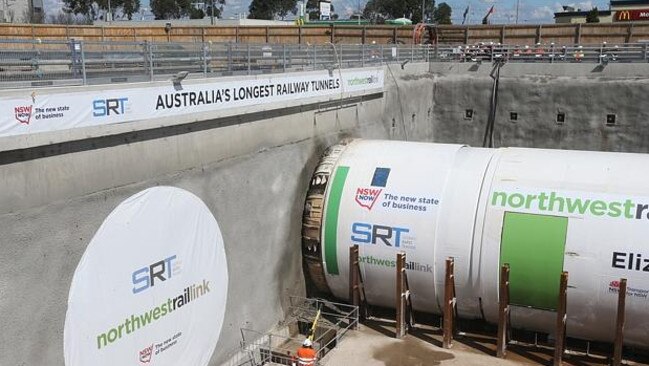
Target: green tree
92,8
76,7
592,16
284,7
130,7
380,10
196,13
218,7
170,9
442,14
261,9
271,9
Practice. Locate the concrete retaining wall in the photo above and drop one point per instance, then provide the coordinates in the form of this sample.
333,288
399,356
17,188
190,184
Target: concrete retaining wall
251,172
585,94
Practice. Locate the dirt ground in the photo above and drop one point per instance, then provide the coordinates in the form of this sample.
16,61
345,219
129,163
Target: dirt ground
374,345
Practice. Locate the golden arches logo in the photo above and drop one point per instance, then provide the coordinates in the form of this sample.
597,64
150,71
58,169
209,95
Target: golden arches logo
624,15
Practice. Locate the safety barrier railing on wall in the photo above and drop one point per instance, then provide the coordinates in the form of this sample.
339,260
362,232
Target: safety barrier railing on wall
45,63
279,346
543,53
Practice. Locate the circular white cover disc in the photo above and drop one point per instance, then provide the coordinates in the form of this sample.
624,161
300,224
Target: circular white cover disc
151,287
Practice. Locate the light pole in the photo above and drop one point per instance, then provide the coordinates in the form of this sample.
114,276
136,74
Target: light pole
212,13
423,11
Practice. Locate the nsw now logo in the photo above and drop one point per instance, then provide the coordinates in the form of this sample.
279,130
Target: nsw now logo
367,197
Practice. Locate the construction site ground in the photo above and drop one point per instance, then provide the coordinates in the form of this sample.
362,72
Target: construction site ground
374,344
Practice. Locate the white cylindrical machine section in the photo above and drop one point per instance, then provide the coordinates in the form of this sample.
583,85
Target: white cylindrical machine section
586,213
540,211
386,203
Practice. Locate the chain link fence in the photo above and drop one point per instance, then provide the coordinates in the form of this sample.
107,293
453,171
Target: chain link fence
44,63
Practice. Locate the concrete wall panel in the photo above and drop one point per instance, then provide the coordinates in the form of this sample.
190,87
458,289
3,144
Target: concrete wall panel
253,176
252,171
585,93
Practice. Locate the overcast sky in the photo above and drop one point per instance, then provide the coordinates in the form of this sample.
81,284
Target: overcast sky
530,11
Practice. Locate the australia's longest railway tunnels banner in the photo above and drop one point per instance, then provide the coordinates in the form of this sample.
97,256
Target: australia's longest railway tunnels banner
32,111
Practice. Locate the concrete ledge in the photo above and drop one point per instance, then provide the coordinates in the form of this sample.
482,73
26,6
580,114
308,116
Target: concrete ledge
107,140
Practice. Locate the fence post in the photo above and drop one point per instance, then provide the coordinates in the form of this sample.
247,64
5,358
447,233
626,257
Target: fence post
315,57
363,54
619,324
83,63
561,320
552,55
229,56
449,303
284,57
75,57
205,54
249,61
401,311
269,355
645,52
149,55
354,295
629,33
503,312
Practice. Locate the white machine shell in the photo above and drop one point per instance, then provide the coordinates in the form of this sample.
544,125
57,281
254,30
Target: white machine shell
434,201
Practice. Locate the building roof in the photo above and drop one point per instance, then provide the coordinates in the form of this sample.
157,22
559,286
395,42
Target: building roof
629,2
581,13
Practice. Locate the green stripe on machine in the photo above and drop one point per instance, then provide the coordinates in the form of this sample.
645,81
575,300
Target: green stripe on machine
331,219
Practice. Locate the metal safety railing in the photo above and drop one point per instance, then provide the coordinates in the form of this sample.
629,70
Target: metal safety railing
33,63
542,53
43,63
279,346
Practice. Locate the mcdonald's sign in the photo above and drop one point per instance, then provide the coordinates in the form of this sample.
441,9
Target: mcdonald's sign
631,15
623,15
